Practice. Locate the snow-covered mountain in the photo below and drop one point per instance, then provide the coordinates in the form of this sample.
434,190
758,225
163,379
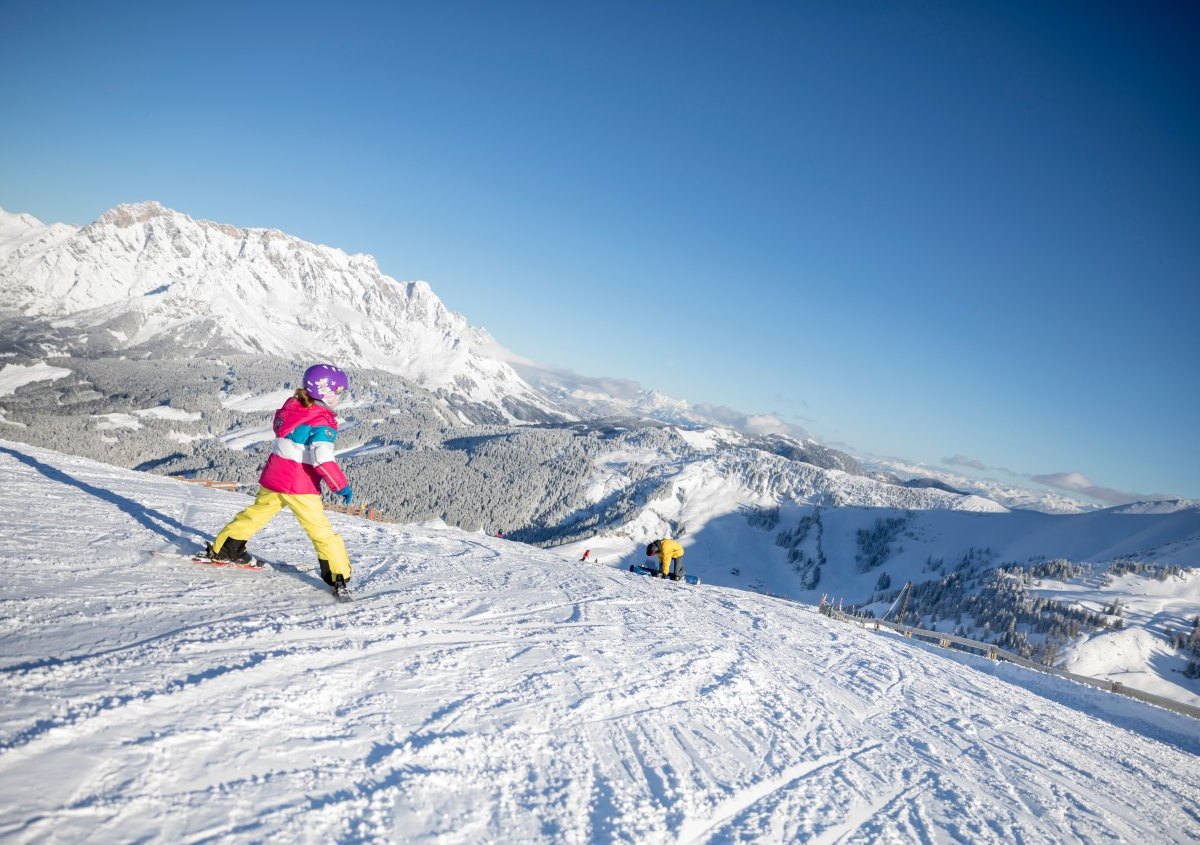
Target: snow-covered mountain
482,690
146,277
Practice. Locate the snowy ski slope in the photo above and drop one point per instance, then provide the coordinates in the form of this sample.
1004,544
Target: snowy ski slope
481,690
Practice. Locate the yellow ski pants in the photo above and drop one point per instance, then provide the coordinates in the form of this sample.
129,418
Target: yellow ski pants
309,512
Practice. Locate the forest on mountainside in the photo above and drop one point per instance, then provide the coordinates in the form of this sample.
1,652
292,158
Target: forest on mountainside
408,449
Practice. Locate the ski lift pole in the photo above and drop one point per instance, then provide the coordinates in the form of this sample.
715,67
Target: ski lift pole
904,607
903,594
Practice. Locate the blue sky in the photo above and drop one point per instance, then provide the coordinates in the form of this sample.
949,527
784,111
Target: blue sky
917,229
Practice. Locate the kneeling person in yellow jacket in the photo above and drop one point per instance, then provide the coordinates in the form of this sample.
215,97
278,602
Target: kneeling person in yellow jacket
667,551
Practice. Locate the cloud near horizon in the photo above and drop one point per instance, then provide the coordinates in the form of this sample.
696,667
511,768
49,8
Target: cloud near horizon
752,423
1071,482
1077,482
964,461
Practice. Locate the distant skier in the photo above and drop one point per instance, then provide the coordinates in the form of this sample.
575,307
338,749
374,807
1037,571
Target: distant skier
305,430
586,552
667,551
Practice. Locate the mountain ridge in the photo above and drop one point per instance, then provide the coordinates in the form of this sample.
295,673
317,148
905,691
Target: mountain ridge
143,275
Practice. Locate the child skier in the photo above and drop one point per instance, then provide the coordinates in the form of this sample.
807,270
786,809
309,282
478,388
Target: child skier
667,551
305,430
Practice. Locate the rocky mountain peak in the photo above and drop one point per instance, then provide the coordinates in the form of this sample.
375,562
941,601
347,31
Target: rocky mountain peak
131,214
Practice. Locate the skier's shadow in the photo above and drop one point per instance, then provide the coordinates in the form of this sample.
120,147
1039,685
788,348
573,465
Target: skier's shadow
158,522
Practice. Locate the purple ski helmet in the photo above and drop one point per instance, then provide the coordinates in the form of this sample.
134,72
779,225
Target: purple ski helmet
325,381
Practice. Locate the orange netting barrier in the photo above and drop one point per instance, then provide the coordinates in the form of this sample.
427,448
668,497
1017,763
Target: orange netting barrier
360,511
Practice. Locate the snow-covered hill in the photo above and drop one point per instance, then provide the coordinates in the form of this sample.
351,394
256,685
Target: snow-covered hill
144,276
763,523
483,690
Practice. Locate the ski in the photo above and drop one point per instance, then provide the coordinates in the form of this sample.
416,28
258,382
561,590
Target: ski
200,559
203,560
232,564
340,590
646,570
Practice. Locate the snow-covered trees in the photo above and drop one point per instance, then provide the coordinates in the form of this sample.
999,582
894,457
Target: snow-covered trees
994,605
874,546
806,558
764,518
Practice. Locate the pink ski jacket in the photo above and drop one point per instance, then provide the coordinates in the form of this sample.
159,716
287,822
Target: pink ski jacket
303,453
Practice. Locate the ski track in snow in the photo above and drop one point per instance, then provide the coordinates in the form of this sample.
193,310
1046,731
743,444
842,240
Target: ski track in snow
481,690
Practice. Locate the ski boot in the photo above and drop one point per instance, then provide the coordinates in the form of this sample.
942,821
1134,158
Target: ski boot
337,583
232,551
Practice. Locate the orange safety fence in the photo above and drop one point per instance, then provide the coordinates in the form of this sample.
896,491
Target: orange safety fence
361,511
208,482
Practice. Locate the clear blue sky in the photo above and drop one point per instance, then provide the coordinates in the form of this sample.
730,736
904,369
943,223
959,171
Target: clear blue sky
917,229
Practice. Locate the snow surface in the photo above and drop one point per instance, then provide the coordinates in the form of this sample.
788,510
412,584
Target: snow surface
483,690
1162,506
166,412
249,402
1153,611
13,376
113,421
246,436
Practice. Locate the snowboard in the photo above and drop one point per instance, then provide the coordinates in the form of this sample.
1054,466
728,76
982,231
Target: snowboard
694,580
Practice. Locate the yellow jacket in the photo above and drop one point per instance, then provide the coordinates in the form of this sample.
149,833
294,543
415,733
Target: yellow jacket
668,550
